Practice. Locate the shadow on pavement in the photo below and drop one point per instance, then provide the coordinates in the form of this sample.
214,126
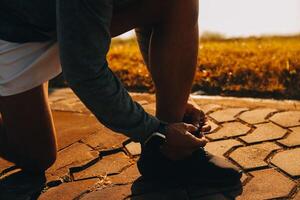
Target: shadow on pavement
19,185
176,190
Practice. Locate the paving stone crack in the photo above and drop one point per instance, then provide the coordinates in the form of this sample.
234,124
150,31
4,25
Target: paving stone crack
111,152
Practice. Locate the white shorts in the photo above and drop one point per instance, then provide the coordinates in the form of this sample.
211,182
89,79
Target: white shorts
24,66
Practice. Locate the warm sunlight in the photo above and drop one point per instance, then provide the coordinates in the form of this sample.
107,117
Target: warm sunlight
255,17
235,18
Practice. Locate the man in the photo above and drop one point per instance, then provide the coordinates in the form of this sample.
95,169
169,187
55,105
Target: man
168,37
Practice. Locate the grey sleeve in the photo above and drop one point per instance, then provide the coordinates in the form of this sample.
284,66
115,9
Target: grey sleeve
84,40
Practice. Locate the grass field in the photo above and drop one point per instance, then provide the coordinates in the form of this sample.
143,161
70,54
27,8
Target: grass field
258,67
263,67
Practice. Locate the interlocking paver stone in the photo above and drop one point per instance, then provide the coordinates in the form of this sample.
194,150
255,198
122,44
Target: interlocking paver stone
297,196
209,107
228,114
134,148
288,161
111,164
68,191
105,139
66,100
76,155
80,173
143,97
254,156
267,184
150,108
113,193
60,94
244,178
53,180
265,132
129,175
293,139
219,148
4,164
287,119
256,116
230,129
71,127
213,126
70,105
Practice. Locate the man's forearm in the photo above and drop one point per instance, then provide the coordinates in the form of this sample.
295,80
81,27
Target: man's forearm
106,97
84,39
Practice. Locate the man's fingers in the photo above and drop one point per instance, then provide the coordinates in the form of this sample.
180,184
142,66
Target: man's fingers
197,142
202,141
190,128
206,128
195,115
199,113
198,116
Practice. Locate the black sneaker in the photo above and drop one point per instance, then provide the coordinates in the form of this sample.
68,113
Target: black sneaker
200,168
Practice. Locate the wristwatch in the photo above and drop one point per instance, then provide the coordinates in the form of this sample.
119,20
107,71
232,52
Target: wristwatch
158,135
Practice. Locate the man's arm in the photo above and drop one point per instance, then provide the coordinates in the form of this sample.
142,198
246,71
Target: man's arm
84,40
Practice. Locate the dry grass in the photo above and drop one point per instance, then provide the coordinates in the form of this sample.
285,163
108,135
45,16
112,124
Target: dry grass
264,67
268,66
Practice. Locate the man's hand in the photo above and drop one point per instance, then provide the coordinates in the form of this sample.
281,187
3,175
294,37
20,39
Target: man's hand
195,116
180,143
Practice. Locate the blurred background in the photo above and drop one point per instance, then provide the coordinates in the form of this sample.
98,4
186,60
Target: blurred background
242,18
248,48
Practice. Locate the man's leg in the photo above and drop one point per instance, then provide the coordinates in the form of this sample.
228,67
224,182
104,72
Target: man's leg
172,58
172,54
28,134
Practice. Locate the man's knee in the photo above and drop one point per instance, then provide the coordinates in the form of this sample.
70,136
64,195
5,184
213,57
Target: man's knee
45,163
33,162
38,164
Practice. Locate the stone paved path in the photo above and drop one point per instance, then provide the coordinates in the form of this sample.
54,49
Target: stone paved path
261,137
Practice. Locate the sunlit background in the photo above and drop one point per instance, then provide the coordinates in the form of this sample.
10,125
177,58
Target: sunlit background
235,18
